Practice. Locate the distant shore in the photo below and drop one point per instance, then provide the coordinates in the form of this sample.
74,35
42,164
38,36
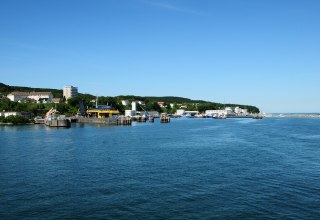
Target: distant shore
292,115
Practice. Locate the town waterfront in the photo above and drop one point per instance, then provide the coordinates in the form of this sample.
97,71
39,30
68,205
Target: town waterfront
188,169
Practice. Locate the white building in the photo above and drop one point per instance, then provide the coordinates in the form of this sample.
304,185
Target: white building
244,111
130,113
44,97
134,106
6,114
161,104
239,110
24,114
226,111
125,102
154,114
56,100
192,113
180,112
69,92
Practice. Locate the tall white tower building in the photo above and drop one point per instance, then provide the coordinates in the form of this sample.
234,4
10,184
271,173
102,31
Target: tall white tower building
134,106
69,92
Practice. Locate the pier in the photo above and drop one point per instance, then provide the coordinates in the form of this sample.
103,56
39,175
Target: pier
141,119
123,120
164,118
105,121
58,123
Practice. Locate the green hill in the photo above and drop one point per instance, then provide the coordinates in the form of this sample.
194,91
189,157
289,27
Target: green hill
6,89
199,105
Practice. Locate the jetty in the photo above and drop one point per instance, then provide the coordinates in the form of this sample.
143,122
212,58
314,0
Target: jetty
164,118
121,120
53,119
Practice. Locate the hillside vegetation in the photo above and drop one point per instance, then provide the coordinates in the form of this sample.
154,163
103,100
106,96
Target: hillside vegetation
6,89
150,102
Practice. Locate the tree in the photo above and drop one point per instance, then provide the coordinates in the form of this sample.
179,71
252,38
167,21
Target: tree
153,106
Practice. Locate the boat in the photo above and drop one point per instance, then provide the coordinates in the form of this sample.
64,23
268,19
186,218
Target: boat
219,116
53,119
188,115
258,117
38,120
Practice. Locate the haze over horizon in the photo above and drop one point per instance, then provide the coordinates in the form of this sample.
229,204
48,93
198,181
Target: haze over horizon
262,53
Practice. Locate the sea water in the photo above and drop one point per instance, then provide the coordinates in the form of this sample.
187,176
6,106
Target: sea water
187,169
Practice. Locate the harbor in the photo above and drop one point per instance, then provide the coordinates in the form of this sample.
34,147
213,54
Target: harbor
119,112
147,161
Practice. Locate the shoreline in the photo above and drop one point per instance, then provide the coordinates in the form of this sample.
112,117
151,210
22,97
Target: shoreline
10,123
292,115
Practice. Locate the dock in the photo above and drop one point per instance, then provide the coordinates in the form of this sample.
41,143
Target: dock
164,118
122,120
58,123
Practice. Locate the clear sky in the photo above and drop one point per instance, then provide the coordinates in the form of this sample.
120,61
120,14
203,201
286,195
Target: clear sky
259,52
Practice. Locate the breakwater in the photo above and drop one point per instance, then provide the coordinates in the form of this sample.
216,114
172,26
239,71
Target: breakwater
292,115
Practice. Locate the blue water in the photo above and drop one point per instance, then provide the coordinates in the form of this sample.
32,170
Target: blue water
188,169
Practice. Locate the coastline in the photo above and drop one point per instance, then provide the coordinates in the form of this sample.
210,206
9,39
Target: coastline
10,123
292,115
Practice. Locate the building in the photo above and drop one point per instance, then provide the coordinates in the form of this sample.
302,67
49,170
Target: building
56,100
180,112
192,113
69,92
130,113
102,112
240,111
226,111
27,115
125,102
39,97
134,106
154,114
161,104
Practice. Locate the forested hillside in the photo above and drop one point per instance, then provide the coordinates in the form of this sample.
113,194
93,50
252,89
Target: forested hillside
150,101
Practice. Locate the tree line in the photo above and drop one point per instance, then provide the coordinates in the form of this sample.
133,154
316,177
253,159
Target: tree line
72,105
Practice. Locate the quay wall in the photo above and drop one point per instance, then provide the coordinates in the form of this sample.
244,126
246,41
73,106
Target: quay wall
106,121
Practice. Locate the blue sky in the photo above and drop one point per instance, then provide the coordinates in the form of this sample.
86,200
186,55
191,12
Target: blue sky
263,53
